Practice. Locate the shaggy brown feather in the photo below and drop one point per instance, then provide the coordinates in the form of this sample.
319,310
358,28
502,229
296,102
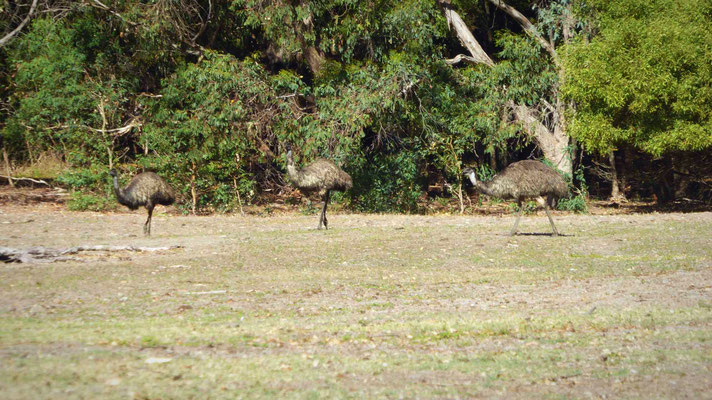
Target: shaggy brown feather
526,179
522,180
146,189
320,176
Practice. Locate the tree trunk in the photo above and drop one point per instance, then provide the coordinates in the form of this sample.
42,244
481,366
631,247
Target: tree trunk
315,59
8,169
465,36
234,183
109,143
554,142
617,194
193,192
615,189
460,197
681,177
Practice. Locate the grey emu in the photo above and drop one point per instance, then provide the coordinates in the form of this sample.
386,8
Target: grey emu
145,189
522,180
320,176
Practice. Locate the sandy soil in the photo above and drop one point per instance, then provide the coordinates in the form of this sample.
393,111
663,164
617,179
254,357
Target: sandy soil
618,307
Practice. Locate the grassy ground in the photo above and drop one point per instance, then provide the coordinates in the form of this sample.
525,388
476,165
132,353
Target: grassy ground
378,306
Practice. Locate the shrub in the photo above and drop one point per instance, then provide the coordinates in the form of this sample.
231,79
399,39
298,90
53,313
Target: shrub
89,202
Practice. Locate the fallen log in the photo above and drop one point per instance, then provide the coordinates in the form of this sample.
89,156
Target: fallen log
41,254
11,179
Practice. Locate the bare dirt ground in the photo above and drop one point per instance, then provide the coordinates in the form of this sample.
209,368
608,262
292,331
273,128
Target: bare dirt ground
379,306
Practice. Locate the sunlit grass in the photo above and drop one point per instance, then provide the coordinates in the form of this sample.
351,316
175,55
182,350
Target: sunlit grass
380,306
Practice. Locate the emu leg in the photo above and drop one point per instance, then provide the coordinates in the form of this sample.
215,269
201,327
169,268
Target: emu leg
516,223
553,228
322,217
147,225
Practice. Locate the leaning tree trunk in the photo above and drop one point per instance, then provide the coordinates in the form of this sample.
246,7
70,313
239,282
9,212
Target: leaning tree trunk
553,141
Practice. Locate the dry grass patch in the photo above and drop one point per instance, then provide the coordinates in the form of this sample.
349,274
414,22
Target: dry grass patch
380,306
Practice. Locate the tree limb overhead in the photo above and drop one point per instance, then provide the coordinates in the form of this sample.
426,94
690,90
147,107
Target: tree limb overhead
528,27
464,35
4,40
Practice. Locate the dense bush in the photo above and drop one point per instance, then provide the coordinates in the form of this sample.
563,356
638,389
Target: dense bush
212,106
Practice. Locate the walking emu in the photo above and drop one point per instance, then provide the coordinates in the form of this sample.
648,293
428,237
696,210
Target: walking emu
145,189
320,176
522,180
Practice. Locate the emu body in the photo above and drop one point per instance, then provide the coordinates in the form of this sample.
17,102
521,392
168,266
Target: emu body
522,180
321,176
145,190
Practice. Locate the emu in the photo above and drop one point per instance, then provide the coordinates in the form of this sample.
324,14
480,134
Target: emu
522,180
145,189
320,176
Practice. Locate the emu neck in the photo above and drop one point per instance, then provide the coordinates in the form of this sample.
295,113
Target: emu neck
118,191
293,173
483,187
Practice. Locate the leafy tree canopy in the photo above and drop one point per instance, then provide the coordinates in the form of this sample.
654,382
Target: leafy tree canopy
209,93
644,78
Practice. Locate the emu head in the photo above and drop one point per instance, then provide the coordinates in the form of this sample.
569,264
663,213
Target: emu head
112,172
470,173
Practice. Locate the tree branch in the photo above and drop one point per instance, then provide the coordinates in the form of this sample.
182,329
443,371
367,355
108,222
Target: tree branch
98,4
528,27
205,23
464,35
459,58
6,38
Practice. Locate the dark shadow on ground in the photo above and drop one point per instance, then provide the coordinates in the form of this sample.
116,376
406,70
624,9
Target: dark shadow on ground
681,206
541,234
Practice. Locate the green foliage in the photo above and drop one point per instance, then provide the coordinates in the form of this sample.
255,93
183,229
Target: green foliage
79,179
347,30
51,98
484,172
576,203
529,78
209,124
644,78
89,202
578,199
387,183
85,177
211,106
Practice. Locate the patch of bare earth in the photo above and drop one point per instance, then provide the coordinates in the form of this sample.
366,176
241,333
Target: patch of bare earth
379,306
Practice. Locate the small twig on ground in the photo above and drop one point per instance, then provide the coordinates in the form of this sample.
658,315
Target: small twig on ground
209,292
